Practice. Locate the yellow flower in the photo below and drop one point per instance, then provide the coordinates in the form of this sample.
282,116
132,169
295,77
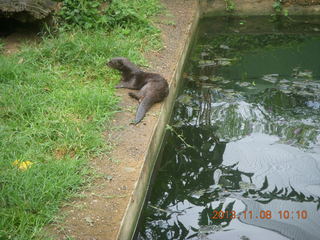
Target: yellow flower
22,165
16,163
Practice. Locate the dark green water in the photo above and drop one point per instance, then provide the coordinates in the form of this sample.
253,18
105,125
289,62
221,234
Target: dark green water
244,139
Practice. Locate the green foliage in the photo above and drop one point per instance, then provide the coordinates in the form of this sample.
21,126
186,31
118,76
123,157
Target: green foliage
277,6
57,98
35,194
103,14
230,5
279,11
52,115
85,14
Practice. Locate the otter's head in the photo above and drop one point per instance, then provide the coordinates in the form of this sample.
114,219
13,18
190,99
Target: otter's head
117,63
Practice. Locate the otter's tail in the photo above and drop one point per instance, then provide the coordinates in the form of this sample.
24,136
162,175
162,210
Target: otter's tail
144,106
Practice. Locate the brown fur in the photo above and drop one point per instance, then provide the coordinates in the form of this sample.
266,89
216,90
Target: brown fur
153,87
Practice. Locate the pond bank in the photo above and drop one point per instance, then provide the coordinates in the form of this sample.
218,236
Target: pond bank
99,213
261,7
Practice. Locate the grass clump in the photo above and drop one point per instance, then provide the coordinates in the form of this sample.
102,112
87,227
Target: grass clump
1,45
55,100
107,14
230,5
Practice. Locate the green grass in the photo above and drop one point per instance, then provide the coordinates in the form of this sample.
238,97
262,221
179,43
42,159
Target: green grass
1,45
55,101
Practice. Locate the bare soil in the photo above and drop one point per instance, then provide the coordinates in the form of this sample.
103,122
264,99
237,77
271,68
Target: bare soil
14,34
98,215
302,2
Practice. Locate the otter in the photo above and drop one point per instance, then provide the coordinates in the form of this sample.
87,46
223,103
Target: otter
153,87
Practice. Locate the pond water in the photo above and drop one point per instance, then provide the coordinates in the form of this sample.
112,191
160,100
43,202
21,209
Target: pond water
241,159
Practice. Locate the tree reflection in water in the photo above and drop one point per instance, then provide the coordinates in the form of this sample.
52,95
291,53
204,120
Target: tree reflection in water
239,134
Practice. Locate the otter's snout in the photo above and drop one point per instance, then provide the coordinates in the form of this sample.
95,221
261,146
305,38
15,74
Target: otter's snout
115,63
109,63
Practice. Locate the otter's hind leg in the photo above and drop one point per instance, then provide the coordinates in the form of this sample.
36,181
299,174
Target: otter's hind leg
136,96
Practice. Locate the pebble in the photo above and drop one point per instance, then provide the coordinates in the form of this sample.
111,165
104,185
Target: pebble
129,169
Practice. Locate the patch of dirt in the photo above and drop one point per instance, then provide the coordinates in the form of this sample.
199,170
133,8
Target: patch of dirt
98,215
14,33
302,2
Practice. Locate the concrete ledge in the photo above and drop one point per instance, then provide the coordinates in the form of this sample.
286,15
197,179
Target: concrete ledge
204,8
252,8
136,203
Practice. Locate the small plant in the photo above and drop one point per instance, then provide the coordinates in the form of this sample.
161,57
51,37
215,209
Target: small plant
169,22
106,14
170,128
278,9
85,14
277,6
230,5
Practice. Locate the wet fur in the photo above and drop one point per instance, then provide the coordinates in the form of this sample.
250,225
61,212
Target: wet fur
153,87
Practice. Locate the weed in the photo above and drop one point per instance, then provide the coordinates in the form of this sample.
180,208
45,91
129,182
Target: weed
230,5
55,100
171,129
84,14
115,196
277,6
92,14
278,10
168,22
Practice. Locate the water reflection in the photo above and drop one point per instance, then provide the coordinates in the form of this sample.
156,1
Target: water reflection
195,182
244,141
